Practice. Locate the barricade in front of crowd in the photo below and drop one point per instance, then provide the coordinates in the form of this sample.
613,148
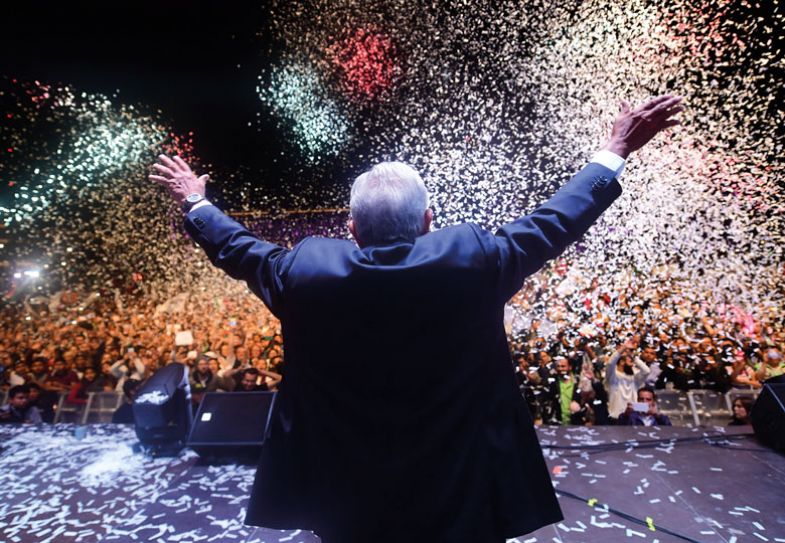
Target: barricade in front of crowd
68,412
675,405
101,406
708,406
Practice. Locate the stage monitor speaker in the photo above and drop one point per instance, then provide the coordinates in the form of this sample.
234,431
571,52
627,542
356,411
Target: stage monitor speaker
232,425
768,415
162,411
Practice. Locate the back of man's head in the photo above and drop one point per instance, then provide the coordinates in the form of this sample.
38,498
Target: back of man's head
388,204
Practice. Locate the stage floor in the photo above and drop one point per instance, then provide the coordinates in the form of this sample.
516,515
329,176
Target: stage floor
708,484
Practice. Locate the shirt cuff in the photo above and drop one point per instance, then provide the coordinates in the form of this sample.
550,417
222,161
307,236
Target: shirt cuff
610,160
203,203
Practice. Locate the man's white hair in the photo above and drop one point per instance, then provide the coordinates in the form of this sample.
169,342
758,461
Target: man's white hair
388,204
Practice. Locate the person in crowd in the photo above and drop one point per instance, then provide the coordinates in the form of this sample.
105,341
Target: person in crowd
742,374
18,409
180,354
129,366
593,397
62,379
254,380
18,373
651,417
203,379
37,398
7,370
108,377
275,364
545,381
125,413
47,386
772,365
151,362
565,394
81,363
649,357
39,372
676,371
242,357
226,356
222,382
742,408
526,377
256,355
91,382
624,375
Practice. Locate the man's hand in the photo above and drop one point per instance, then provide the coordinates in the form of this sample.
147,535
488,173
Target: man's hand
178,178
633,129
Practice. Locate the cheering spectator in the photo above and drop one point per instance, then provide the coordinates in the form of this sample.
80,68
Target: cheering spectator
129,366
742,375
772,366
250,380
651,417
624,376
18,409
593,396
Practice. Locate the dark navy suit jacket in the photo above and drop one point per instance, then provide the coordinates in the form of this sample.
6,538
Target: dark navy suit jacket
399,417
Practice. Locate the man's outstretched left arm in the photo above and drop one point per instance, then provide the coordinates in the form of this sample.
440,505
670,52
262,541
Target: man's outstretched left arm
523,246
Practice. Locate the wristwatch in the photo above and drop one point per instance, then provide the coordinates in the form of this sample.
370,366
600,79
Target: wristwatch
191,200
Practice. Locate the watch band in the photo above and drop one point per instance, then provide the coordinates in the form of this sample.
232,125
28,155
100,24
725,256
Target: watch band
190,201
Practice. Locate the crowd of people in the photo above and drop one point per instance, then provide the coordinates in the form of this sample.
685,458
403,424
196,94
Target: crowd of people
600,362
77,343
596,357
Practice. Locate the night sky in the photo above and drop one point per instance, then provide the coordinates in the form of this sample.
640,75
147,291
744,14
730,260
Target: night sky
197,63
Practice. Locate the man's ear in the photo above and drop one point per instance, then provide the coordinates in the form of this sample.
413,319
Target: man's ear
427,220
353,232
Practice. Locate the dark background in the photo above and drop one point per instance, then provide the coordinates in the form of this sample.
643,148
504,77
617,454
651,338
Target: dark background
199,63
196,62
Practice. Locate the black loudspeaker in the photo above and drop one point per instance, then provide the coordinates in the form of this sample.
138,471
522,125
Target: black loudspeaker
768,415
232,425
162,411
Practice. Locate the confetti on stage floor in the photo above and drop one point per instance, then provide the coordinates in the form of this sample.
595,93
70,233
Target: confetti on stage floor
615,484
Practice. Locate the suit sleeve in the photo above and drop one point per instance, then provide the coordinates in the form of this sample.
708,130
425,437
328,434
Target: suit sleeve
239,253
524,245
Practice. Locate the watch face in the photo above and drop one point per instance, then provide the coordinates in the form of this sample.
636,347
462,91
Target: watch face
193,198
